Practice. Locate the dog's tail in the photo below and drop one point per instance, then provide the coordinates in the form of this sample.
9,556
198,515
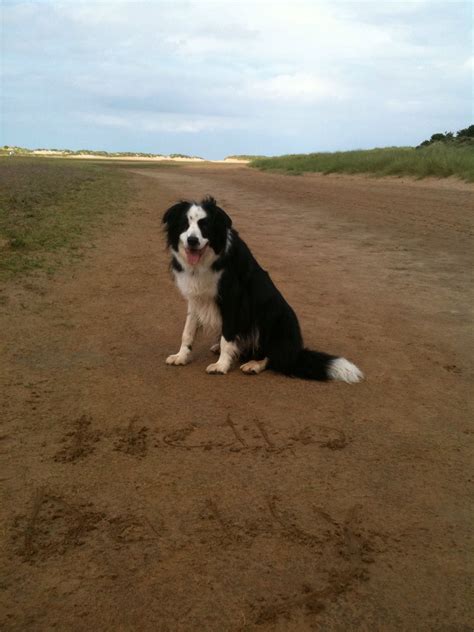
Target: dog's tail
316,365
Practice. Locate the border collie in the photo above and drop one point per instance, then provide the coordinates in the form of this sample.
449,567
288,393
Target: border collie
228,292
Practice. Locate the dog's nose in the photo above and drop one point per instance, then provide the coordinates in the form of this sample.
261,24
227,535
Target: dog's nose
193,241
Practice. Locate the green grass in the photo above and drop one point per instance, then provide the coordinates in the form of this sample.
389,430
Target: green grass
439,160
245,157
126,164
50,207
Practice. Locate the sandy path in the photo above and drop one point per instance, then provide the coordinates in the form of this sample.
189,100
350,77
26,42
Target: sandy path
141,496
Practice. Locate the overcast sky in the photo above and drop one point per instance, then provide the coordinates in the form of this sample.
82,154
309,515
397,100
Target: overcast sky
233,77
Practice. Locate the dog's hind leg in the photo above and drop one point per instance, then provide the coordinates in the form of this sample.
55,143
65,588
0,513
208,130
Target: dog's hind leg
254,366
216,347
189,332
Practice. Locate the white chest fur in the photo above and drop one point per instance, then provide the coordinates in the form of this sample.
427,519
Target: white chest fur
199,288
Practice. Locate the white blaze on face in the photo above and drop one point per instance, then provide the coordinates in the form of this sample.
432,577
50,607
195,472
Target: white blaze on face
194,249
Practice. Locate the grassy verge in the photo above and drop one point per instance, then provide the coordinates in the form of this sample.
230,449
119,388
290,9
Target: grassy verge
439,160
48,209
245,157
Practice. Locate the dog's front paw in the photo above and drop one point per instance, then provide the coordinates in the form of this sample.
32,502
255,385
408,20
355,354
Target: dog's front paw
178,359
217,369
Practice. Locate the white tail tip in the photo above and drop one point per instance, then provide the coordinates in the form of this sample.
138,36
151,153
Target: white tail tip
344,371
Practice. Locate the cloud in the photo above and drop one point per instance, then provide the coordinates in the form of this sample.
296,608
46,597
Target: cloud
237,74
298,87
163,122
469,63
405,105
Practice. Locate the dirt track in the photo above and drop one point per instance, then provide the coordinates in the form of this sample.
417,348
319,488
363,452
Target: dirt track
138,496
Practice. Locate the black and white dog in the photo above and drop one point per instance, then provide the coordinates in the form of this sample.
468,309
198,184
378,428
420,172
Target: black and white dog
228,292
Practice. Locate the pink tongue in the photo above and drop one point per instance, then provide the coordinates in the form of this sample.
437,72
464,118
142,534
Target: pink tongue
193,256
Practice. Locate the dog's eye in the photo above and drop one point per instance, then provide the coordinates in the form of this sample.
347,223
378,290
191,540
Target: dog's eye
203,223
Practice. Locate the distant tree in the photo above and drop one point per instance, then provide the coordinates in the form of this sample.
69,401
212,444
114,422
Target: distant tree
465,135
437,137
467,132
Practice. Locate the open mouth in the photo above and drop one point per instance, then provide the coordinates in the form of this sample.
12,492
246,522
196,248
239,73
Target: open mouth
193,255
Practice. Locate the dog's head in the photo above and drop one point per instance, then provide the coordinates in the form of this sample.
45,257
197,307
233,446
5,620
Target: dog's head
197,232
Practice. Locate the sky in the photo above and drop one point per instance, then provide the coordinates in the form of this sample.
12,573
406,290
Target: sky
217,78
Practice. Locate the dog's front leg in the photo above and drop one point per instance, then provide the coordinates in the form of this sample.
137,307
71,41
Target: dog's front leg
228,352
189,332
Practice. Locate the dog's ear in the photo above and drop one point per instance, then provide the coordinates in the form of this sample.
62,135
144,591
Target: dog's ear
223,218
221,222
220,216
174,212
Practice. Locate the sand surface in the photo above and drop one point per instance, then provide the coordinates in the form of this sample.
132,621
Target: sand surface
138,496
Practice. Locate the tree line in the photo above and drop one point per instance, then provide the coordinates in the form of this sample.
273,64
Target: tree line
465,135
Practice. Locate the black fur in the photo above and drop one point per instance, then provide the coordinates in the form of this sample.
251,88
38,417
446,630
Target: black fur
248,300
175,265
175,220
